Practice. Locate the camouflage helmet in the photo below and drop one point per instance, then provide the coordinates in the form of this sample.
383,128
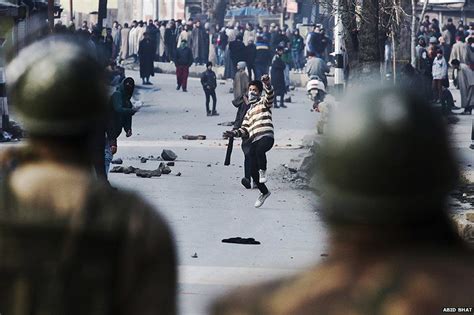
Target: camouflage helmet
386,159
57,88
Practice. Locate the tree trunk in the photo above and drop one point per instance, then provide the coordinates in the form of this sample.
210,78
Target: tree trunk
218,13
370,42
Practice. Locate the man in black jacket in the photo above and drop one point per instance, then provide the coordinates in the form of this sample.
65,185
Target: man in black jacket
209,84
170,40
278,77
184,60
237,52
251,53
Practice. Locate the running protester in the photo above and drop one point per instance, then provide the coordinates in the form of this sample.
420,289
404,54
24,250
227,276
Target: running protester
258,128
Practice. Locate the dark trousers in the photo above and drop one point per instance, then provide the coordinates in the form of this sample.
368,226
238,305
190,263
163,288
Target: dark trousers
258,160
260,70
282,98
251,71
182,73
209,94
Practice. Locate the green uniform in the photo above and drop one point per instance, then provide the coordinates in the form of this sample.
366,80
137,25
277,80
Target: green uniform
69,245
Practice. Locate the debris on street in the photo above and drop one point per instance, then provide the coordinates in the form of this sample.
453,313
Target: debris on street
117,161
191,137
240,240
227,123
168,155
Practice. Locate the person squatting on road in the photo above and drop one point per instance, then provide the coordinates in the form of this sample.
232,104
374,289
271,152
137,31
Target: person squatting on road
184,60
120,115
69,243
258,128
209,84
241,85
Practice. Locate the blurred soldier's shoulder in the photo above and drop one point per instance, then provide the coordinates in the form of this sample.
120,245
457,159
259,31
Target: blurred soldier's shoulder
400,284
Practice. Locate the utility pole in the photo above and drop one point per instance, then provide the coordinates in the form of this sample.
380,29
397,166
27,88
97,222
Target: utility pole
51,14
102,14
338,37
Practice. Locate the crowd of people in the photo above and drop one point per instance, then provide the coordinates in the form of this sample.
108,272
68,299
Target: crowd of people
145,42
440,48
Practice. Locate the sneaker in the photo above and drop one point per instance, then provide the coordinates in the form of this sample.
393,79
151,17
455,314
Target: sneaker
283,106
245,182
209,113
184,90
261,199
471,146
178,87
214,113
262,178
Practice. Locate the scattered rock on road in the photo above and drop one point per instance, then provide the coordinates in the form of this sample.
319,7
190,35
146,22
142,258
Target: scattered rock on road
117,169
227,123
195,255
168,155
143,173
143,159
117,161
179,174
130,170
192,137
164,169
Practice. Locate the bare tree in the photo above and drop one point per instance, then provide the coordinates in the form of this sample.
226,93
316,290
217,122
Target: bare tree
368,24
218,11
415,26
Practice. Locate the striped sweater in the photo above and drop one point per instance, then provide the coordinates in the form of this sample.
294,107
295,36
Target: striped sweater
258,119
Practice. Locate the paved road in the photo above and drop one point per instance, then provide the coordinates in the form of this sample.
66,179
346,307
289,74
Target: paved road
207,203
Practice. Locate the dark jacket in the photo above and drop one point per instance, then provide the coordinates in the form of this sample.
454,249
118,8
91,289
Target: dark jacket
297,43
146,54
170,36
263,55
237,51
278,75
251,54
120,113
208,80
222,40
184,56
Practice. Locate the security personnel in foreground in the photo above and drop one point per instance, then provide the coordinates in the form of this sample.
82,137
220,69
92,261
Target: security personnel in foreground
68,243
386,169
